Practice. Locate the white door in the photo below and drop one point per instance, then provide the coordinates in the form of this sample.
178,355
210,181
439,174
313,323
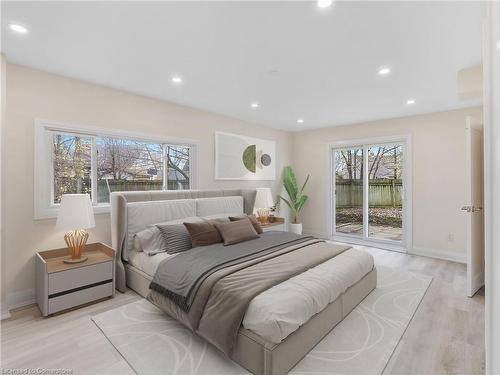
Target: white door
474,206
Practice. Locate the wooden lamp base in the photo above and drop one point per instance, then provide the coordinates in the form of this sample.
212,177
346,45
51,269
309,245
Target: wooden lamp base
76,241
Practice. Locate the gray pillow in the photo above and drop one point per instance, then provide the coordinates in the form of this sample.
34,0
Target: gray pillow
176,238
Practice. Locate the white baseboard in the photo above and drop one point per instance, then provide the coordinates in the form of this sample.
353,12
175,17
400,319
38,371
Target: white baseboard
4,313
316,234
21,299
478,279
439,254
416,250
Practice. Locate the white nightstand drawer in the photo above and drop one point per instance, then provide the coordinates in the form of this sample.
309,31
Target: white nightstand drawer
279,227
80,297
74,278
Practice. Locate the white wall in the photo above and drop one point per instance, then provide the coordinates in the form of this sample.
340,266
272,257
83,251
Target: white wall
4,311
492,180
438,144
34,94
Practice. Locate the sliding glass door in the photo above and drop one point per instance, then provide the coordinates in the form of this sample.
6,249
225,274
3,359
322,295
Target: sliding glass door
385,198
368,197
349,186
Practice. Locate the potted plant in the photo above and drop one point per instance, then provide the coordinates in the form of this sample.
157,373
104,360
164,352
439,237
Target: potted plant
296,198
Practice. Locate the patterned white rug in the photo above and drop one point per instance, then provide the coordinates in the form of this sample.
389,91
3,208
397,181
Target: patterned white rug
153,343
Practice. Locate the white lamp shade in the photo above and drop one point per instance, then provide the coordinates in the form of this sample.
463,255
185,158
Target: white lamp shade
264,198
75,213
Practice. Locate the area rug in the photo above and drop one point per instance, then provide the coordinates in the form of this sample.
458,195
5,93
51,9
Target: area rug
153,343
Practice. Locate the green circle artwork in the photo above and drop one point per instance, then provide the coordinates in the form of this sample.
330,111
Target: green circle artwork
249,158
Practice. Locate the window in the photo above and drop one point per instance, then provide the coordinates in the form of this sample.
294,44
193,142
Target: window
177,167
125,165
71,159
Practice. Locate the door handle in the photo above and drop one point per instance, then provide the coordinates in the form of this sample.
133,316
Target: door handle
471,208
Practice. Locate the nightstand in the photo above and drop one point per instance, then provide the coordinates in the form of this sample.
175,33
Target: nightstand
277,224
60,286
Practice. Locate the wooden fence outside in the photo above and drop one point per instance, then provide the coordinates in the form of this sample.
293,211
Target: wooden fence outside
126,185
381,193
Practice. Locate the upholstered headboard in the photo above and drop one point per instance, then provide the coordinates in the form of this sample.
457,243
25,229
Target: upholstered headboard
147,207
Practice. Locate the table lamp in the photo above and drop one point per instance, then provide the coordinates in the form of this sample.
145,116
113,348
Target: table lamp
75,216
263,204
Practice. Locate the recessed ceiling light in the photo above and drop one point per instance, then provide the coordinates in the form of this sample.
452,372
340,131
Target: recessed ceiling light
324,3
18,28
498,45
300,121
384,71
410,101
255,105
176,79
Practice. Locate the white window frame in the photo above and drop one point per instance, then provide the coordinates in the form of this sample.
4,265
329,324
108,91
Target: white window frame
406,244
44,206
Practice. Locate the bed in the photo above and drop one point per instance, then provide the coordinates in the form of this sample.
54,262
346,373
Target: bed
282,322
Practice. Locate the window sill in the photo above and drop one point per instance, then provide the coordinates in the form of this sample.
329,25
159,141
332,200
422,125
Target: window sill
51,212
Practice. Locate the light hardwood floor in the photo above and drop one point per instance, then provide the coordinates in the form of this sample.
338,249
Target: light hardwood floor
446,335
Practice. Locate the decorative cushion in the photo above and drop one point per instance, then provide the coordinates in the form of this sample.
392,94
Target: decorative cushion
253,220
149,240
176,238
203,234
236,231
137,243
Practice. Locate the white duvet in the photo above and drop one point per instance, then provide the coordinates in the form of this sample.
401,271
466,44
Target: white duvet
282,309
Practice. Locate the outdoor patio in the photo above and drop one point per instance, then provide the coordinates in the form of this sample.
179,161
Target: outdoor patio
384,222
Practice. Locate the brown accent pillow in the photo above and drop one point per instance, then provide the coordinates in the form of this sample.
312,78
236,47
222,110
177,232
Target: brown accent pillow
203,234
236,231
253,220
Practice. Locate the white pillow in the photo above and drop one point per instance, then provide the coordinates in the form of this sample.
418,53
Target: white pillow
137,243
149,240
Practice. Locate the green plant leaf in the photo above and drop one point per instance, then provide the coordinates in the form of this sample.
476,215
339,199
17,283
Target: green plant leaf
304,186
300,203
296,197
290,183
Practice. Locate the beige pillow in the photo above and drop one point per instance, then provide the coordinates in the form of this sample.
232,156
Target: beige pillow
236,231
253,220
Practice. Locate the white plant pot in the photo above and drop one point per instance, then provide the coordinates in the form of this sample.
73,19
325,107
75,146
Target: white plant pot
296,228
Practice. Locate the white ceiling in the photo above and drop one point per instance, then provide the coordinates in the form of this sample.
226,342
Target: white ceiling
296,60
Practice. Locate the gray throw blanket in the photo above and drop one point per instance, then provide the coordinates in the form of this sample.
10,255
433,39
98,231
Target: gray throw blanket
221,300
179,278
